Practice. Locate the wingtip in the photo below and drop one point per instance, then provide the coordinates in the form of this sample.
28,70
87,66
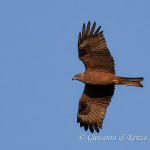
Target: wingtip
81,124
91,128
79,38
85,127
97,31
93,28
96,128
78,120
83,31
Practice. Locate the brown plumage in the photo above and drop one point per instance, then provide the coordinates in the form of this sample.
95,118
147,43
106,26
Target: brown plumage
99,78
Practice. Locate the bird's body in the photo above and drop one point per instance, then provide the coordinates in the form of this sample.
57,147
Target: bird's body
99,78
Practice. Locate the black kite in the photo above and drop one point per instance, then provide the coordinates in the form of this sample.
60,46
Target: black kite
99,78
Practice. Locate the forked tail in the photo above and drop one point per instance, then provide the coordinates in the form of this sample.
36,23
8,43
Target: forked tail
129,81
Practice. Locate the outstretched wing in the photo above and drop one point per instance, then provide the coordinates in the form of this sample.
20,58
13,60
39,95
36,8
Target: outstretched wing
93,50
93,105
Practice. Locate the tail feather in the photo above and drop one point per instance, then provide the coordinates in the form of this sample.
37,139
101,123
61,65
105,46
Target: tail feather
130,81
133,79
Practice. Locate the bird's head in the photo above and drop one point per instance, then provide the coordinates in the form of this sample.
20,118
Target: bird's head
78,77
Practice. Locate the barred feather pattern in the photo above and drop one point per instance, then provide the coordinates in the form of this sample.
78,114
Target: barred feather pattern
93,50
93,105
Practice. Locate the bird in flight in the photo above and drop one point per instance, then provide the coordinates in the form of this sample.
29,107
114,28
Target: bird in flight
99,78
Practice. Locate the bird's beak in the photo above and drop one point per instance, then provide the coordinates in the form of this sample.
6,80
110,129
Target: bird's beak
74,78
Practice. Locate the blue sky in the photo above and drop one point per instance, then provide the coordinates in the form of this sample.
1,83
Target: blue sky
39,57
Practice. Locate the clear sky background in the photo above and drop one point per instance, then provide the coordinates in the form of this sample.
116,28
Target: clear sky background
39,57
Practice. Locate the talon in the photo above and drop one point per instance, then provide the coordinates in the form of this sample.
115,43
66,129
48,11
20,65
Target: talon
116,81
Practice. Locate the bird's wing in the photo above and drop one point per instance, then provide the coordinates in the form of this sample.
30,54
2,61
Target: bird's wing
93,50
93,105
